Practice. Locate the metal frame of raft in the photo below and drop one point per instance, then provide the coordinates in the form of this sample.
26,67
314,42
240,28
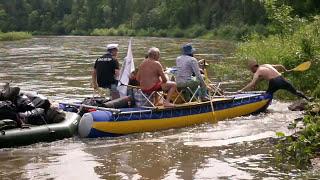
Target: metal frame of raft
134,120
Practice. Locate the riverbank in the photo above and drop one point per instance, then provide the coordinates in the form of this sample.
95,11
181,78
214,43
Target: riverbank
303,147
13,36
299,43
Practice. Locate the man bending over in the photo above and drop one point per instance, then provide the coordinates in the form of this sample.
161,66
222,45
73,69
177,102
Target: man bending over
270,73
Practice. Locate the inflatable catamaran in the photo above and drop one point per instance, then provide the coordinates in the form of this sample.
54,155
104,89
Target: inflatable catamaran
109,122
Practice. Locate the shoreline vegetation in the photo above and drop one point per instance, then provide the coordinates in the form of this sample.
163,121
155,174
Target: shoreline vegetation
14,36
226,32
231,19
291,41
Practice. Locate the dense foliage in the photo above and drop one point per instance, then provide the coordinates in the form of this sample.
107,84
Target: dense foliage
230,19
133,17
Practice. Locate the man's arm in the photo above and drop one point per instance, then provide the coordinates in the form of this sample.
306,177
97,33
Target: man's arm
196,70
279,67
252,84
117,74
161,73
117,70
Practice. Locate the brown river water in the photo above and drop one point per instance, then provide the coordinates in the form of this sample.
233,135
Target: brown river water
60,68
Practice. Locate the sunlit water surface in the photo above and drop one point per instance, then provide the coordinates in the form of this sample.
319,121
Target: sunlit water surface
60,68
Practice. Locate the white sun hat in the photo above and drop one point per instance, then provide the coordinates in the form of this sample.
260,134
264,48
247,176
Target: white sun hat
112,46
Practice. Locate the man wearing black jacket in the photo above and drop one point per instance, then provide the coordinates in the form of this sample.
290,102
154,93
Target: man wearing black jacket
106,71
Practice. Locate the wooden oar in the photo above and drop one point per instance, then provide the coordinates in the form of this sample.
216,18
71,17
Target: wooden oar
245,92
207,81
302,67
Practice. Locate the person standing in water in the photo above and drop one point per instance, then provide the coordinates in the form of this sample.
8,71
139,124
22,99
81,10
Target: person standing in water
273,76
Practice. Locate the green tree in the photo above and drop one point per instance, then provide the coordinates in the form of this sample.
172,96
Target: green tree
34,21
3,20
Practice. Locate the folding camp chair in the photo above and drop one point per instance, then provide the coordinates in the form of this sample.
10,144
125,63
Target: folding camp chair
182,90
216,90
143,99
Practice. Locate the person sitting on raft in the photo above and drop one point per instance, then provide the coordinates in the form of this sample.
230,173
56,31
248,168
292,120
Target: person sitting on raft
187,66
152,78
270,73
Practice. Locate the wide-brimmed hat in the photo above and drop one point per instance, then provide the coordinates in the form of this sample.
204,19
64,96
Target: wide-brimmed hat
188,49
112,46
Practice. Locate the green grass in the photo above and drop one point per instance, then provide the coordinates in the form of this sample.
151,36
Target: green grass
13,36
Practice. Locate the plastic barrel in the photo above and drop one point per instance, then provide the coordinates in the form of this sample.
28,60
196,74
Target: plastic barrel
85,128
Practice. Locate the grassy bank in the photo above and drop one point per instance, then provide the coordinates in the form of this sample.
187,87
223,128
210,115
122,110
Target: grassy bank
13,36
299,42
301,147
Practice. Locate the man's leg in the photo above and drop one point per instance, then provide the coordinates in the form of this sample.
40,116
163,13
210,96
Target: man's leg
171,88
114,92
289,87
193,86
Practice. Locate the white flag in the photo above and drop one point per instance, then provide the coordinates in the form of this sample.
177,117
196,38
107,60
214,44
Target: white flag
126,69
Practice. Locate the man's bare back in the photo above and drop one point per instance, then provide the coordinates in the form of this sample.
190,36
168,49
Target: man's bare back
273,76
267,72
152,78
150,73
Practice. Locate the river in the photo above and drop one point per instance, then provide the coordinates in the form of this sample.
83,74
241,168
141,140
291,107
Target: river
60,68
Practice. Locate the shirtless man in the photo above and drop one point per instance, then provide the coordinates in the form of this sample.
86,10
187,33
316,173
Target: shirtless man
152,78
270,73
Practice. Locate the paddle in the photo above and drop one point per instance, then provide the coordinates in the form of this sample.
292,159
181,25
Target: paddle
207,81
302,67
92,107
244,92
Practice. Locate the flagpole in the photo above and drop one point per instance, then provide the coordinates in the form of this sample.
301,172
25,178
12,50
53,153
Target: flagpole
126,70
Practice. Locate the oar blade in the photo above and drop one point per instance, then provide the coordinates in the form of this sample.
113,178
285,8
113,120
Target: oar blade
303,67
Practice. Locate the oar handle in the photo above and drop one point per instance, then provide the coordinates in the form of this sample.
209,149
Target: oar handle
245,92
93,107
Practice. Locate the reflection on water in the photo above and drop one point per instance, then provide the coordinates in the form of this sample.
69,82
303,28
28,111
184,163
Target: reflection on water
239,148
59,67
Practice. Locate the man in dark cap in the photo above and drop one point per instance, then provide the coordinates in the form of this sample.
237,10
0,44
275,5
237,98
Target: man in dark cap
106,71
